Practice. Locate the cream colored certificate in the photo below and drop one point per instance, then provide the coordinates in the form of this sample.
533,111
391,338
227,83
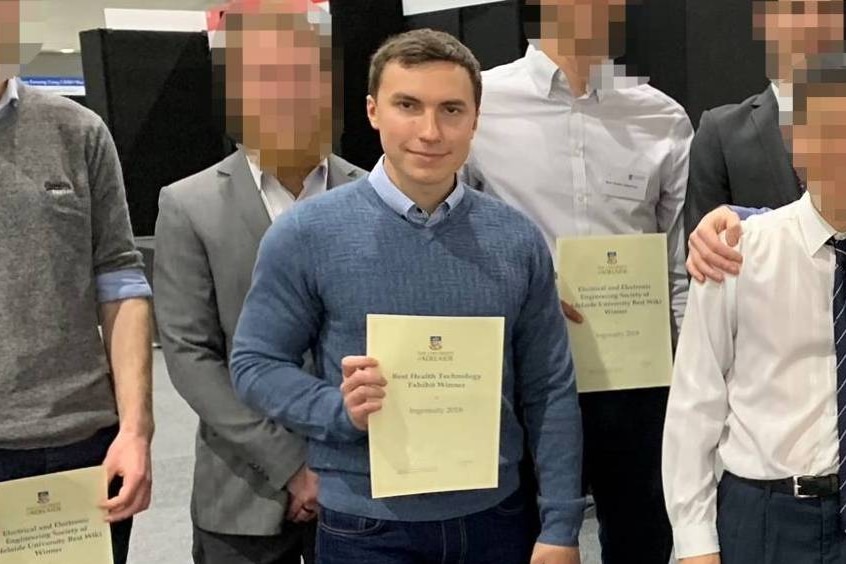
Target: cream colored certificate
54,519
438,429
620,285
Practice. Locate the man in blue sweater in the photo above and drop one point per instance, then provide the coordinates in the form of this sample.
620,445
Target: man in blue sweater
413,240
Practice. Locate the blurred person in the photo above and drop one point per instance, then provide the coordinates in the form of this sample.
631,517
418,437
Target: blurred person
71,396
760,378
560,131
254,498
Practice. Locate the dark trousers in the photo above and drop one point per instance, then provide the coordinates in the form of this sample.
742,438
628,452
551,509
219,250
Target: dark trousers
757,526
297,541
622,469
16,464
499,535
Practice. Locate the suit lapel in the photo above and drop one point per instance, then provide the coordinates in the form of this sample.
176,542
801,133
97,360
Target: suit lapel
340,172
765,118
242,194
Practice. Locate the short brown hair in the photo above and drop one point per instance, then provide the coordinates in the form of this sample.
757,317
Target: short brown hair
423,46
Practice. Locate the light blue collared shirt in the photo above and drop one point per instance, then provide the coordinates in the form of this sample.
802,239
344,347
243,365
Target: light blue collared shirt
404,205
746,213
10,97
122,285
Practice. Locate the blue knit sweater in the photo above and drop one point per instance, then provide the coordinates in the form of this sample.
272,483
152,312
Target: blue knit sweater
326,264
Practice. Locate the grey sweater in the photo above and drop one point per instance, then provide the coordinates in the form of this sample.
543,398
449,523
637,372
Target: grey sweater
63,222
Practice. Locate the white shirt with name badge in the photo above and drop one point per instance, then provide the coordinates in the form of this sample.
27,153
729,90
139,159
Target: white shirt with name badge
614,161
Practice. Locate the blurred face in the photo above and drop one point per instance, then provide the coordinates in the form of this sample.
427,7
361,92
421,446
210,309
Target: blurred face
283,89
426,117
819,148
794,29
9,32
584,27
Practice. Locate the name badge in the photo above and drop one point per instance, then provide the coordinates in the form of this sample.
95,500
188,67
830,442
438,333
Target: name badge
629,184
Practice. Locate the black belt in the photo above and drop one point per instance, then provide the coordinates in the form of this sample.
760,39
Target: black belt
798,486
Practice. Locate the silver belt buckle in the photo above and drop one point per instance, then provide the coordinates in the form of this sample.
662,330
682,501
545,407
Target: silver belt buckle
796,487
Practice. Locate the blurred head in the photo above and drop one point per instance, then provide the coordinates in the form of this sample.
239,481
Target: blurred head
278,84
9,32
582,28
793,30
425,90
21,32
819,135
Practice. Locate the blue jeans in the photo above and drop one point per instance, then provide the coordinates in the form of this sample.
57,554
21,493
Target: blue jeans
500,535
16,464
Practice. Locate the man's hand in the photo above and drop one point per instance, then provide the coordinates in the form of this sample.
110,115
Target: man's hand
363,388
707,255
129,458
705,559
302,502
571,313
548,554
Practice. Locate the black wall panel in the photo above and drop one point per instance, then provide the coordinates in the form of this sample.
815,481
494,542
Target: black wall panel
493,32
153,90
656,45
724,64
358,28
448,21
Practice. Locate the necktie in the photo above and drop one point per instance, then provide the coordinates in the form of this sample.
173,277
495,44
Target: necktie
839,309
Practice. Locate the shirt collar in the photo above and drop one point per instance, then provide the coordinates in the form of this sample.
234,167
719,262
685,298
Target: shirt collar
815,230
396,198
321,169
785,102
547,76
11,97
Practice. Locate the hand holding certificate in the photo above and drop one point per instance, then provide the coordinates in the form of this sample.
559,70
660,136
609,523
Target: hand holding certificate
439,426
55,519
620,286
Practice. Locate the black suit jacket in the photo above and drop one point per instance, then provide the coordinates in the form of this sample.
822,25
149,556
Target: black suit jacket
738,157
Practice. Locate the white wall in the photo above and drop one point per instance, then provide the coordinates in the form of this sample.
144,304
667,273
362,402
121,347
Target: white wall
64,19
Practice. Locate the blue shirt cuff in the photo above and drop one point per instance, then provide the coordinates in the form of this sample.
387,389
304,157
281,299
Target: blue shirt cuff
746,213
122,285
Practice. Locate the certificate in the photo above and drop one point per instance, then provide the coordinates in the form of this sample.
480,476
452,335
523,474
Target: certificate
54,519
438,429
620,286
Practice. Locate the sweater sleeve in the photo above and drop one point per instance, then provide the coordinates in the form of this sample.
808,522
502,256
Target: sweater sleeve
546,380
280,320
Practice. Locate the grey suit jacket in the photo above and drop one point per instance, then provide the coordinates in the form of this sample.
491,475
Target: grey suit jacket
207,236
738,157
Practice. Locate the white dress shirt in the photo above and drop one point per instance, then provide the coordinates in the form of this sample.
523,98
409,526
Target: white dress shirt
277,198
755,372
613,161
